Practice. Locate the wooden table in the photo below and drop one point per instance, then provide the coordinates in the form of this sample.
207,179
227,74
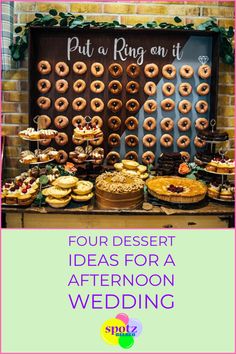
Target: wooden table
209,215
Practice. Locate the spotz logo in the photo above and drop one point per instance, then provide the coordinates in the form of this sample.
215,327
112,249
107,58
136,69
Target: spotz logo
121,330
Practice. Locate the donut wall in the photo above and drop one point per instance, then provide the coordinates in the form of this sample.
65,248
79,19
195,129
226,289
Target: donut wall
149,87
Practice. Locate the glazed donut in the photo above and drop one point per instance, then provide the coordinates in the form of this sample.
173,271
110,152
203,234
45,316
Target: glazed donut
132,105
167,124
150,106
168,89
131,140
201,106
204,71
115,70
185,106
131,155
79,104
183,141
114,105
131,123
62,69
203,89
61,122
45,142
150,88
113,157
133,70
184,124
169,71
115,87
78,121
61,85
114,123
61,139
97,69
185,89
149,123
151,70
44,102
132,87
166,140
149,140
97,86
167,104
97,105
44,85
185,155
201,123
79,86
79,67
148,158
61,104
62,157
77,141
44,121
44,67
97,141
97,121
114,140
199,142
186,71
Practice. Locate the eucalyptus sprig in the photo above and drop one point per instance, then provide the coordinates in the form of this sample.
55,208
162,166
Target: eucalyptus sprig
69,20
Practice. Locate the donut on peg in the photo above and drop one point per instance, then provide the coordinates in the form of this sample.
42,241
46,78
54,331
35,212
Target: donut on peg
166,140
149,123
131,140
44,85
183,141
167,124
133,70
148,158
151,70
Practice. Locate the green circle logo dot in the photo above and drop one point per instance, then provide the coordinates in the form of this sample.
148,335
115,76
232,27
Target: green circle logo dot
126,342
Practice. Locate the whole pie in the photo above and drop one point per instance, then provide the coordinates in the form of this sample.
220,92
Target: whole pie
177,189
65,181
56,192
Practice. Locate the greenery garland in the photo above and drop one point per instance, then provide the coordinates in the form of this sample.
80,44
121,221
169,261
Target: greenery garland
62,19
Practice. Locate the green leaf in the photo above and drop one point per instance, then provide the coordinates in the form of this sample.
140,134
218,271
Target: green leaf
74,23
228,59
53,12
43,180
38,15
18,29
162,24
80,17
52,22
62,15
177,19
63,22
215,29
116,23
46,18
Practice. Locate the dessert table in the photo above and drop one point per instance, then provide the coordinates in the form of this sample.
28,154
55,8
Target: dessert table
205,215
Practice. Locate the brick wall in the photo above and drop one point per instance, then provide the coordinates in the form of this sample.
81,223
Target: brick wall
15,85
